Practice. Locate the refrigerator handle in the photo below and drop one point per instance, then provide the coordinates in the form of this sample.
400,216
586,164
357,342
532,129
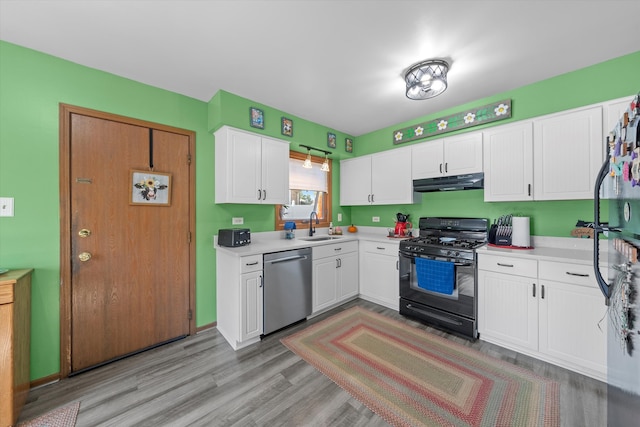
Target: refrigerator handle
599,229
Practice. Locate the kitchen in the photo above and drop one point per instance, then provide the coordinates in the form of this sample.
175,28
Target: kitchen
82,86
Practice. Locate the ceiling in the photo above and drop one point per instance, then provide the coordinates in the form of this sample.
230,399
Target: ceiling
335,63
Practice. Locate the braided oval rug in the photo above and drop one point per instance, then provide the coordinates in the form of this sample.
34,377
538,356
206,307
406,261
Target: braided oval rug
410,377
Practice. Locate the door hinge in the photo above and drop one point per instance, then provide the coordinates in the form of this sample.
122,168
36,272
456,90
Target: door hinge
190,314
189,158
188,237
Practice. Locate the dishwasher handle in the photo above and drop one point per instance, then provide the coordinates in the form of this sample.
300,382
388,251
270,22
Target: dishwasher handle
287,259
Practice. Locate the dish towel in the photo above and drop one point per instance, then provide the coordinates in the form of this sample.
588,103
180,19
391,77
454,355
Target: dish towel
435,276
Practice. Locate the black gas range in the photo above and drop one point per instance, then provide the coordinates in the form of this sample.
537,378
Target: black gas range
438,275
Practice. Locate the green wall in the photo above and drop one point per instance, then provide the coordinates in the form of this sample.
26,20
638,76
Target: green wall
33,84
609,80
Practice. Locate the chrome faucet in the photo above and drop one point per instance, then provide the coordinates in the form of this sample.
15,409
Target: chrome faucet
311,229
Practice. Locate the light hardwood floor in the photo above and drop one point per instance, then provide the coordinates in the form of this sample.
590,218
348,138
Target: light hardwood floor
201,381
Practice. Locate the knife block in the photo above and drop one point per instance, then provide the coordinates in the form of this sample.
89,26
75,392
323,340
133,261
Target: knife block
503,240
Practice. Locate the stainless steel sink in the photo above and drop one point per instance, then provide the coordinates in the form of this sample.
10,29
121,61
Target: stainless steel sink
320,238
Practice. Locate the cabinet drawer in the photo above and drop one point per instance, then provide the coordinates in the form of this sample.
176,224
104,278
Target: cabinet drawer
251,263
334,249
509,265
385,248
577,274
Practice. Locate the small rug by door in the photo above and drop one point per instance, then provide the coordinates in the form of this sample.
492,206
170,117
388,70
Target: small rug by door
60,417
410,377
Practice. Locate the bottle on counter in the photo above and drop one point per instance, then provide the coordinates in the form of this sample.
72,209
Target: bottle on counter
330,228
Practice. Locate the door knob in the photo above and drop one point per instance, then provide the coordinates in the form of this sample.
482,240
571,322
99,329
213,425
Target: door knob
84,256
84,233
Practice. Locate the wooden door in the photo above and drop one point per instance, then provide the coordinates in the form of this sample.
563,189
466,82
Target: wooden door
130,261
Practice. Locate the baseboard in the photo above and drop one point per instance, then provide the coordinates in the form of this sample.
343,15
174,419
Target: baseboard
206,327
45,380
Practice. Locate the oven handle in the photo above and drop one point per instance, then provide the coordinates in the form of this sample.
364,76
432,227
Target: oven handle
456,263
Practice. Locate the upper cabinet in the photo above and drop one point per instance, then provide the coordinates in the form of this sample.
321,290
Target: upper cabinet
508,162
250,168
379,179
455,155
568,152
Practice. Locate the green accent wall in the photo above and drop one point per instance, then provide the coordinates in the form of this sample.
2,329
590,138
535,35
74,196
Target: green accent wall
33,84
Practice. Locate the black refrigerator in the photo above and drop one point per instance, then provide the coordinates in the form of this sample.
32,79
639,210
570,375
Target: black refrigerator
616,264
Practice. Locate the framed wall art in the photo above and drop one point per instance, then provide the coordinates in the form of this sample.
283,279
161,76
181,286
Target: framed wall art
286,127
331,140
150,188
348,145
256,117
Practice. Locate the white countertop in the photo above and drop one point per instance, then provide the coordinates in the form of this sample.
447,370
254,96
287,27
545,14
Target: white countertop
558,249
274,241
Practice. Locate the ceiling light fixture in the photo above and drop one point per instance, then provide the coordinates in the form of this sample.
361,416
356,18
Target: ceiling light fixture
426,79
307,162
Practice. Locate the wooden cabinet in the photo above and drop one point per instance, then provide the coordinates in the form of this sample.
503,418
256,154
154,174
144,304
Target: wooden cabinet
15,343
379,279
335,274
250,168
239,298
550,310
378,179
455,155
508,162
568,153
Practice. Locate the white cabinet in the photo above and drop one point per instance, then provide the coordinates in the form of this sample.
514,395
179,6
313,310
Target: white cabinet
379,279
455,155
250,168
572,316
568,153
548,310
508,162
239,298
507,301
335,274
378,179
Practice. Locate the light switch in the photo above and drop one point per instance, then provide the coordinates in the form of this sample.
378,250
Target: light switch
339,217
237,221
6,206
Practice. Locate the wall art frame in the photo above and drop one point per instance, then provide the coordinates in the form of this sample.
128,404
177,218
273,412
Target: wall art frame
348,145
150,188
256,118
286,126
331,140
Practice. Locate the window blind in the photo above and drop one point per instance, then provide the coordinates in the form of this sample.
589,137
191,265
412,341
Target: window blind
307,179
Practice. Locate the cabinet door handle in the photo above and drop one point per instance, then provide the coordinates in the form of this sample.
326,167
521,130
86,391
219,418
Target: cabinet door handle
542,292
372,199
251,263
259,194
534,290
529,189
397,264
446,167
380,248
504,265
577,274
261,281
337,249
440,167
369,198
264,194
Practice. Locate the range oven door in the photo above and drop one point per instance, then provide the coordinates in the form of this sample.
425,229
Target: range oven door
455,312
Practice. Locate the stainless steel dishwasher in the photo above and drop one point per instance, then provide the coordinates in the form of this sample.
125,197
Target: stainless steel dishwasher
287,288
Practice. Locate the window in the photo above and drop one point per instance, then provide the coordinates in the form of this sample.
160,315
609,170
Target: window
309,191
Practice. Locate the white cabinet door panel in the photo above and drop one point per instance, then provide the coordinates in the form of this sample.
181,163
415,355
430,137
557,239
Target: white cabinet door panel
427,159
463,154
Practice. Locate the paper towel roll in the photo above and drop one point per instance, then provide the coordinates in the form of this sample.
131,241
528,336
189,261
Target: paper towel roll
521,233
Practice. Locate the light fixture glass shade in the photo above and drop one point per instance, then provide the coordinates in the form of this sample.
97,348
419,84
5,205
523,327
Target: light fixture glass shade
325,164
426,79
307,162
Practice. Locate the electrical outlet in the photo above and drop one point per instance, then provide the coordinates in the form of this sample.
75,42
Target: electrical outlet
6,206
237,221
375,219
339,217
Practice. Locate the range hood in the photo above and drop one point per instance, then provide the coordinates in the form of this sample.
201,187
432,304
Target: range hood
471,181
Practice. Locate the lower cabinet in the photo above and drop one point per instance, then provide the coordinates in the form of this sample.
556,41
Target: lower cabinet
239,298
550,310
379,280
335,274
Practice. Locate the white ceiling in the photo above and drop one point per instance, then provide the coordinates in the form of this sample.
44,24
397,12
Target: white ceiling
336,63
